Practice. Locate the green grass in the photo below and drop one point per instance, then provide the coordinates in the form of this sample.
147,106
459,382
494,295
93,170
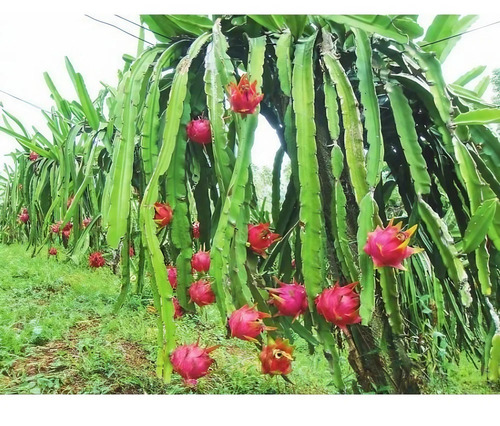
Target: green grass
58,334
464,378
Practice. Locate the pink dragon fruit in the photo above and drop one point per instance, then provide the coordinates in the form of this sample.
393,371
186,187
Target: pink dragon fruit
201,261
66,231
389,246
246,323
172,276
260,238
339,305
56,227
201,293
191,362
178,311
24,217
96,260
163,214
289,299
199,131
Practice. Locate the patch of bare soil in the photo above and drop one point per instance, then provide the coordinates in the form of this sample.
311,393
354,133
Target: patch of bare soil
135,356
42,358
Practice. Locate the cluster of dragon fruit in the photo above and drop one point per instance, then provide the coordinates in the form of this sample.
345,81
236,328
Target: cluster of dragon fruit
338,305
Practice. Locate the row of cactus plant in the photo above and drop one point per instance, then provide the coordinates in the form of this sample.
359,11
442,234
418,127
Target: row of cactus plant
374,135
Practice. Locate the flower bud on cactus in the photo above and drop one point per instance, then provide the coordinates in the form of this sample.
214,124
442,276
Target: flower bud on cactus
199,131
191,362
96,260
289,299
200,261
172,276
131,251
260,238
276,357
70,201
196,229
389,246
86,222
201,293
178,311
163,214
33,156
246,323
24,217
52,251
339,305
244,97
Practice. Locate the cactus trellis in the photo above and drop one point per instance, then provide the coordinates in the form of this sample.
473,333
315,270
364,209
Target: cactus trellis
366,119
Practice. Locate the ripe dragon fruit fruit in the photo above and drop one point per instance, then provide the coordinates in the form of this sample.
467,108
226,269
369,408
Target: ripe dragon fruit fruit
196,230
199,131
246,323
66,231
339,305
96,260
201,293
52,251
191,362
200,261
178,311
289,299
56,227
244,97
86,222
276,357
260,238
24,217
389,246
172,276
163,214
33,156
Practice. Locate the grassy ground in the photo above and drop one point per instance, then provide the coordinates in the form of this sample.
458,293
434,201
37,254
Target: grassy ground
58,334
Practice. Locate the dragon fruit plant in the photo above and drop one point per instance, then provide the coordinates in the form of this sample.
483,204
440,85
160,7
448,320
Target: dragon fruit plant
371,130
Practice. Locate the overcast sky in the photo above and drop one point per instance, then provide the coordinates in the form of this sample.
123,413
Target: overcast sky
38,43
